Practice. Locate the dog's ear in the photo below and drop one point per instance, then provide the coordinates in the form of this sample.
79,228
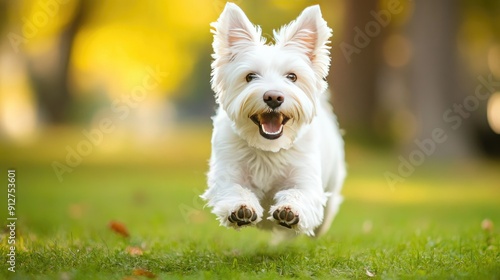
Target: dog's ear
310,35
233,32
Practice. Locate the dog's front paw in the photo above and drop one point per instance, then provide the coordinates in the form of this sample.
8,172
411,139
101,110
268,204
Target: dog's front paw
243,216
286,217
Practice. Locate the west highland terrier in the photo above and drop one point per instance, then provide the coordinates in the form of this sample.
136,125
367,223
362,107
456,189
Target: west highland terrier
277,155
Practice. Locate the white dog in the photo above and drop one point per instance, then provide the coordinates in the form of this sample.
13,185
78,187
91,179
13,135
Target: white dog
277,154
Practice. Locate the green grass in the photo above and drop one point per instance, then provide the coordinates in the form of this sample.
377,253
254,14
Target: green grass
428,227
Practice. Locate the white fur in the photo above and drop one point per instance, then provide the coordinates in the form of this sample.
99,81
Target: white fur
304,169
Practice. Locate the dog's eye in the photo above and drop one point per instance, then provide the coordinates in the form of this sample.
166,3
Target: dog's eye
292,77
250,77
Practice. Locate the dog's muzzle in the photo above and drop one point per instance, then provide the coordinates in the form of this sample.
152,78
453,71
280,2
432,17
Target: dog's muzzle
270,124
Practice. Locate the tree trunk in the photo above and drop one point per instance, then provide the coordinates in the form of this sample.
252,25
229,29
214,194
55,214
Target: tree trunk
434,82
49,76
353,74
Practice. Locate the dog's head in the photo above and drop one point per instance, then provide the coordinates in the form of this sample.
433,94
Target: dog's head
270,91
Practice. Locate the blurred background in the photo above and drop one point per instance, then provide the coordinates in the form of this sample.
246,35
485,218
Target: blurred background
115,83
397,68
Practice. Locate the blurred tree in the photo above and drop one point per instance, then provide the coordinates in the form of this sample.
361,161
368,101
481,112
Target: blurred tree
74,48
353,74
434,81
120,42
3,15
50,80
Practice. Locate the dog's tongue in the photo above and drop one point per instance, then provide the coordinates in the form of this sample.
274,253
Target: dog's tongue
271,123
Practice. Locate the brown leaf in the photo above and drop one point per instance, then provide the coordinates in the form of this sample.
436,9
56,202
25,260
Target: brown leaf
143,272
134,251
119,228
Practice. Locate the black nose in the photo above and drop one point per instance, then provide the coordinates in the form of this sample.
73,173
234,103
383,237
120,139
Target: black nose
273,98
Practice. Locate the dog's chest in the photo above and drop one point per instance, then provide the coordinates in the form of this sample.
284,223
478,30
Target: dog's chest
266,171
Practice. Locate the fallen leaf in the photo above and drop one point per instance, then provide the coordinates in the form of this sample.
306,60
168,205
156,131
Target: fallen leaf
143,272
119,228
134,251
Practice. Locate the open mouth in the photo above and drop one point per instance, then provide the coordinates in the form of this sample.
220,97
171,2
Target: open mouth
270,124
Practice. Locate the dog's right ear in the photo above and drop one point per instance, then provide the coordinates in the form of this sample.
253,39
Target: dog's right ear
233,32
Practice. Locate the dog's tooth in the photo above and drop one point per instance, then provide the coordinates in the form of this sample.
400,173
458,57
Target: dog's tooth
272,133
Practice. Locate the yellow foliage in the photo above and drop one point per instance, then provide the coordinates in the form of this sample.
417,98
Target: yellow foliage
121,40
43,20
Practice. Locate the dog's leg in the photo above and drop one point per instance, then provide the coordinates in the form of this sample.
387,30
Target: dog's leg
300,207
331,209
234,205
299,210
334,201
229,194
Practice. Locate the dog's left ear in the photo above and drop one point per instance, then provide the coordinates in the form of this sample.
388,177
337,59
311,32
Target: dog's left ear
309,34
234,33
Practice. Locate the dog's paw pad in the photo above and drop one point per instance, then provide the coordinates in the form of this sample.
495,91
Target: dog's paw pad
286,217
243,216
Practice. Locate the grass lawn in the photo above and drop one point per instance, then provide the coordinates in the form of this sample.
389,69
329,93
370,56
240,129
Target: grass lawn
427,227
